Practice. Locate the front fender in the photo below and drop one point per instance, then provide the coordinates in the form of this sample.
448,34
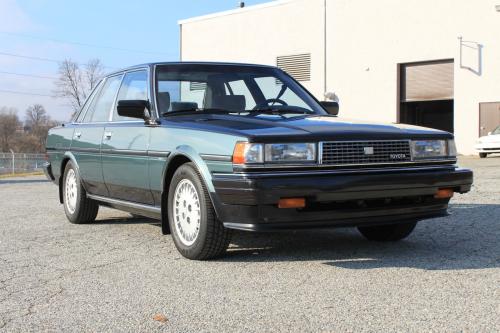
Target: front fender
191,154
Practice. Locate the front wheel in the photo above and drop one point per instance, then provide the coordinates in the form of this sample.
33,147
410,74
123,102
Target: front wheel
196,231
483,155
388,232
78,208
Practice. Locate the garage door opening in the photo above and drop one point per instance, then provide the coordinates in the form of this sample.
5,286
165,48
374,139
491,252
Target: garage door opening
434,114
427,94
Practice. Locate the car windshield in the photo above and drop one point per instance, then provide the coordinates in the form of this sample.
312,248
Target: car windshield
496,130
231,89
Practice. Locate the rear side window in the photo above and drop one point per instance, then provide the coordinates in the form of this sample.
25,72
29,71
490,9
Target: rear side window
86,106
134,86
101,105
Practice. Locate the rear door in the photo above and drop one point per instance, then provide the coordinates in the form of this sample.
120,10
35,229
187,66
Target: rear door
88,134
125,145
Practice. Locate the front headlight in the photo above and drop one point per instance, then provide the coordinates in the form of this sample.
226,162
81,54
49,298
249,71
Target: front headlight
290,152
258,153
431,149
248,153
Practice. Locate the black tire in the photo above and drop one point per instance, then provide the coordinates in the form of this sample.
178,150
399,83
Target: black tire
212,239
85,210
388,232
483,155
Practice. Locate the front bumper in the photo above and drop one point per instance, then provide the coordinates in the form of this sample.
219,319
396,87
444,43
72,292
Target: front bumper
488,147
336,197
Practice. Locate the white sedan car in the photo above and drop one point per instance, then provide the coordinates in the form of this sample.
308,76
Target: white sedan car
489,144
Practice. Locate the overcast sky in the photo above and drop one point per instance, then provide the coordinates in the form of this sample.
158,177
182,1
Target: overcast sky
38,28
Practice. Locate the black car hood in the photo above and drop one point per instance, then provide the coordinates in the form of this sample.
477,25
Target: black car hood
266,128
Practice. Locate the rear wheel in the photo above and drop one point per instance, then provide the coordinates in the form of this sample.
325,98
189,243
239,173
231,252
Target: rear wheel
196,231
78,208
388,232
483,155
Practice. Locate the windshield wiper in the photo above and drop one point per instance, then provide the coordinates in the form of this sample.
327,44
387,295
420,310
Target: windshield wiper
196,111
277,111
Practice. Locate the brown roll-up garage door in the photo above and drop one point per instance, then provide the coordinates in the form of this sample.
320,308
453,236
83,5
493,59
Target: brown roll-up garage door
427,81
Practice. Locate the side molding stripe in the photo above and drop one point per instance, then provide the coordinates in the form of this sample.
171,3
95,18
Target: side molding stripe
219,158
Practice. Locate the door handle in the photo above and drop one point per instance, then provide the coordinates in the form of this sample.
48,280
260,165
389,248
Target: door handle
107,135
78,135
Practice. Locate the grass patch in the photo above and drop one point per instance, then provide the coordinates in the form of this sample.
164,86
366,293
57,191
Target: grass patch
24,174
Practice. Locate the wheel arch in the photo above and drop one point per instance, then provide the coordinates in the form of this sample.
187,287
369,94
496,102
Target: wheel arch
68,156
183,155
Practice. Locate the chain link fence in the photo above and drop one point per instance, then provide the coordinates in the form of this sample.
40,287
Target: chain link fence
20,163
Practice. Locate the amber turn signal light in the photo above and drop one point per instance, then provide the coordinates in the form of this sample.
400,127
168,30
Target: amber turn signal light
239,153
444,193
292,203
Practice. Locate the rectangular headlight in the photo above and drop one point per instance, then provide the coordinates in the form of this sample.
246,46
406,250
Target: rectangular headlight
430,149
290,152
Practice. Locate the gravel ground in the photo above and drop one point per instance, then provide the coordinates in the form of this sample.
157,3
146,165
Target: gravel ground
121,274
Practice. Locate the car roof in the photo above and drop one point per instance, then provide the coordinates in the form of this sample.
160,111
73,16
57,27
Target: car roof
187,63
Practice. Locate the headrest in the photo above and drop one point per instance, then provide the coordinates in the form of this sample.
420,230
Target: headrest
230,102
184,106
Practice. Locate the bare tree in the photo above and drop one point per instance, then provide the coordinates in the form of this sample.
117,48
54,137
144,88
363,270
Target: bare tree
38,123
93,72
36,116
9,123
75,83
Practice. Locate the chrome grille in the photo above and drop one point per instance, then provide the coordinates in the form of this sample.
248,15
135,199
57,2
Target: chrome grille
365,152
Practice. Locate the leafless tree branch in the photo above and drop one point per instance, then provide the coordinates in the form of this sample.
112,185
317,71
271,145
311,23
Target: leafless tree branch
75,83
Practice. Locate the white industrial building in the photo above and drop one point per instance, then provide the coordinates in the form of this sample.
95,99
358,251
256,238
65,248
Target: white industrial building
433,63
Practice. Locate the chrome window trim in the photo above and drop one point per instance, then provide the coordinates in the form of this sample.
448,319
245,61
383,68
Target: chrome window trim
154,89
114,122
110,115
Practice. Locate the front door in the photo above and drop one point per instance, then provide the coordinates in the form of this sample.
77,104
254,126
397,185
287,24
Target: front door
489,117
125,144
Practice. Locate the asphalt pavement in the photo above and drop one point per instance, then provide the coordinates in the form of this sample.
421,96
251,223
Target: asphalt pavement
121,275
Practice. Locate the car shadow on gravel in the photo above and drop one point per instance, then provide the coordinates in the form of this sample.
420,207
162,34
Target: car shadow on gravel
127,220
469,239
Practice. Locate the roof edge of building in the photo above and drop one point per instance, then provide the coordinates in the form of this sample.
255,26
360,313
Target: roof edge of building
235,11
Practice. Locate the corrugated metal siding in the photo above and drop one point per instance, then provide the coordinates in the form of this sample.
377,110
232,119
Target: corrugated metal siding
298,66
427,81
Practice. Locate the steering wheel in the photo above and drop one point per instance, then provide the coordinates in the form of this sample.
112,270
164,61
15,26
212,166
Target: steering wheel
269,101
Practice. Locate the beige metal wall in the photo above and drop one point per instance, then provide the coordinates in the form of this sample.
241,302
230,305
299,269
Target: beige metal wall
259,34
366,40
